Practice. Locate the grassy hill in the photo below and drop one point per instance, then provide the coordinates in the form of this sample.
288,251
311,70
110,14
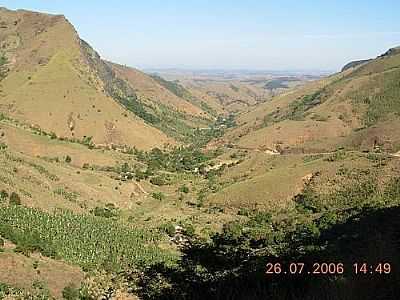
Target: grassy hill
355,109
45,66
56,82
164,104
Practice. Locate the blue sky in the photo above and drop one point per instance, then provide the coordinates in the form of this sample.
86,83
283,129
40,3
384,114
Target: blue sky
264,34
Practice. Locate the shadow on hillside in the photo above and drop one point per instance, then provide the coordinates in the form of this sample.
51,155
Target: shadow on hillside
208,272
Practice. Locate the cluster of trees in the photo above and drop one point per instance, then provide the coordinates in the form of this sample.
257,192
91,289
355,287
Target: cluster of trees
174,87
227,122
179,159
13,198
134,105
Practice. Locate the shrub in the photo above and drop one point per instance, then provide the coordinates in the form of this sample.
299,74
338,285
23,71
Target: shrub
125,168
87,141
308,201
159,180
15,199
201,198
158,196
3,195
261,218
189,230
35,264
109,211
70,292
307,233
168,228
232,231
68,159
392,190
327,220
183,189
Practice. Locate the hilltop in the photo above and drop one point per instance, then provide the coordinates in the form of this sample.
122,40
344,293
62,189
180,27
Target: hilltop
356,109
54,81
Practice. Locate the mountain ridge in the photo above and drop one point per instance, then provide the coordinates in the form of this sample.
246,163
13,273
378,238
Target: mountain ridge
334,112
47,63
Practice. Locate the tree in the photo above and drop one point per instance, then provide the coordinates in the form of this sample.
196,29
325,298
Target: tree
15,199
158,196
3,195
70,292
183,189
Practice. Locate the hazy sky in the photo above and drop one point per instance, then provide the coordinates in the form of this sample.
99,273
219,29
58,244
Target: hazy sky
264,34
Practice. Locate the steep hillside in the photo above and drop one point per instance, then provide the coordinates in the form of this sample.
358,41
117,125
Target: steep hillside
54,81
355,109
149,89
164,104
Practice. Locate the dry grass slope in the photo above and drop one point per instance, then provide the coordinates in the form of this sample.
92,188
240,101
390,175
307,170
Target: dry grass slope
51,85
353,109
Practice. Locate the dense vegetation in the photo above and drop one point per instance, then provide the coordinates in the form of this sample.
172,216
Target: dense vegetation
88,241
173,86
137,107
171,122
177,159
232,265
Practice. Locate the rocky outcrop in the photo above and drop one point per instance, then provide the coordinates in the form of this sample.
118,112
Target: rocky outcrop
355,63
